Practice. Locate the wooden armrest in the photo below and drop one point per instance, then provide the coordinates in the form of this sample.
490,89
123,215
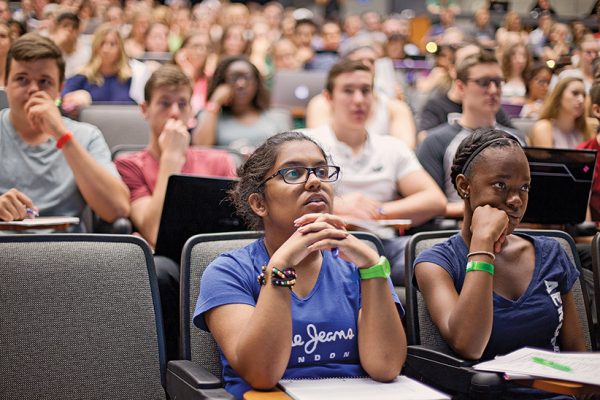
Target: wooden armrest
560,387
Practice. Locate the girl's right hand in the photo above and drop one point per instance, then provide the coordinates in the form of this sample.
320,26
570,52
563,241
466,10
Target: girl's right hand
489,225
222,94
296,248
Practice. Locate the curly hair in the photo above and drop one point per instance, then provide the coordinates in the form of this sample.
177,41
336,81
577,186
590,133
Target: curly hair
469,149
252,173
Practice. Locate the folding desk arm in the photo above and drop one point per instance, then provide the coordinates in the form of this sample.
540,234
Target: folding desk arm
451,374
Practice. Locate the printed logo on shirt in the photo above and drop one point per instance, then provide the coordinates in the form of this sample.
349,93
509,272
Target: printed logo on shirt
554,294
315,337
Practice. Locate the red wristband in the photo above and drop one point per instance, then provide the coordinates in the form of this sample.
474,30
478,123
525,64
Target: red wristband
60,143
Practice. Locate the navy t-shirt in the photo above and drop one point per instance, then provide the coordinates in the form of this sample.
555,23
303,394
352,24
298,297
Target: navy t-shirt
324,323
536,317
112,90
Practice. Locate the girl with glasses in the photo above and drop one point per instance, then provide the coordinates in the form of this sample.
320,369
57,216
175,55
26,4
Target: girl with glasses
308,300
538,81
237,112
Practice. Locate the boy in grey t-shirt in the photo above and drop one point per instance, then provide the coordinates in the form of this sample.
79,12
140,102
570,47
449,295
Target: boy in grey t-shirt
47,162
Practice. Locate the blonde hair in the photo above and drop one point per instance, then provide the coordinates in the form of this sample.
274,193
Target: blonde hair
92,69
551,107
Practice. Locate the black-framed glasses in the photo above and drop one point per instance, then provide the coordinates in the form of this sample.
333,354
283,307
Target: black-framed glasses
299,175
234,78
485,81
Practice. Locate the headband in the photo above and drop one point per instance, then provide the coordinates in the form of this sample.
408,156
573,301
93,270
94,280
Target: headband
484,146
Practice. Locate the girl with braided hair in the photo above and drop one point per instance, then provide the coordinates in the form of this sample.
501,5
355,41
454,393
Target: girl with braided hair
489,290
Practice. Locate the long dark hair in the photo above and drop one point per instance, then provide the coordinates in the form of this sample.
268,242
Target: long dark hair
261,98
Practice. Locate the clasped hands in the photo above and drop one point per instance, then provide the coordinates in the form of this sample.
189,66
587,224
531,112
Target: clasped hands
316,232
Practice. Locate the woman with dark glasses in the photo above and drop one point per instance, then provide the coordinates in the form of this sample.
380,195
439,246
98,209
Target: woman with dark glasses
308,300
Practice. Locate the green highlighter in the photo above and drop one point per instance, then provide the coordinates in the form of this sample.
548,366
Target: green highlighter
551,364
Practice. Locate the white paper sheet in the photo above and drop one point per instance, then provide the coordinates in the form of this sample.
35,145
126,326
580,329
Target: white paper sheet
402,388
575,367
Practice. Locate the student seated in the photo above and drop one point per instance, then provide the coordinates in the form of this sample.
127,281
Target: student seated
167,109
490,291
562,123
105,78
388,116
479,79
47,162
237,113
265,323
383,179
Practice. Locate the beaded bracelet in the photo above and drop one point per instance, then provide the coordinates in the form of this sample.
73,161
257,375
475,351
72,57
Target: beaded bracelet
286,277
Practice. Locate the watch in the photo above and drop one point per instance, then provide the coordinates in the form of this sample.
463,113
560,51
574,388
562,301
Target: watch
380,270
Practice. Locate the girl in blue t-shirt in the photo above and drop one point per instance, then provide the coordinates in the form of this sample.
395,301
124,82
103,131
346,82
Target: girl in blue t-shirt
307,300
490,291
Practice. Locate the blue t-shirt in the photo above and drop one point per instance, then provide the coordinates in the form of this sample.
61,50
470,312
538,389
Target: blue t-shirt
536,317
532,320
112,90
324,323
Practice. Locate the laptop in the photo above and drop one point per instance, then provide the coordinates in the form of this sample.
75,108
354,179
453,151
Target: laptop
293,89
193,205
512,110
499,6
561,183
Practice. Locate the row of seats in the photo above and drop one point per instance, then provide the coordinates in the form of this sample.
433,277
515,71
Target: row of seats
81,318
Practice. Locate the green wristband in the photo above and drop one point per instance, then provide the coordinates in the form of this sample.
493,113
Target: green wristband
480,266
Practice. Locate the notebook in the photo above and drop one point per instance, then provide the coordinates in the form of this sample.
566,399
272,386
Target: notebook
296,88
561,182
401,388
193,205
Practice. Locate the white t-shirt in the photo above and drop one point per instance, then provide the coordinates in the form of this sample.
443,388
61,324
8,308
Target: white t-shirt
375,170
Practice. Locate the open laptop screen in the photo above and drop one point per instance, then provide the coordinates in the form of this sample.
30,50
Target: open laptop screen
561,182
193,205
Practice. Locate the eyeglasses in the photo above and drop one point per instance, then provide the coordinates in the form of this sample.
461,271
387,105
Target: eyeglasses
485,81
233,79
543,82
300,175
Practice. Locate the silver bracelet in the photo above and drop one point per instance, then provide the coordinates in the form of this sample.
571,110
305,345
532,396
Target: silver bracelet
482,253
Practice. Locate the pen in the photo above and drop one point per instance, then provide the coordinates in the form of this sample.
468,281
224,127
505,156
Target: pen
551,364
31,213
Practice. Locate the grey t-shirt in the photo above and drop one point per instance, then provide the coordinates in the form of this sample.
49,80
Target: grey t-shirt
234,134
42,173
436,153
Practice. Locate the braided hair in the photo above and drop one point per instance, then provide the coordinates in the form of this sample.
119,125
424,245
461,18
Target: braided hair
469,149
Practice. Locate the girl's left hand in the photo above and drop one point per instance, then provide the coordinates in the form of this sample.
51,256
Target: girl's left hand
350,248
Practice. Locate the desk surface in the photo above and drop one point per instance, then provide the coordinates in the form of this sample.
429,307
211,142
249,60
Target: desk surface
554,386
275,394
